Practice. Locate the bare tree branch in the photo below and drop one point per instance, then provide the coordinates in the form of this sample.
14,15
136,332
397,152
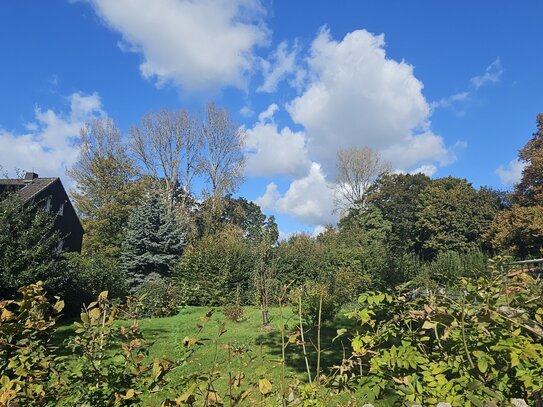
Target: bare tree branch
222,161
356,170
168,144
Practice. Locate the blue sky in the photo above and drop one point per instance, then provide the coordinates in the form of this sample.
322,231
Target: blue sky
444,87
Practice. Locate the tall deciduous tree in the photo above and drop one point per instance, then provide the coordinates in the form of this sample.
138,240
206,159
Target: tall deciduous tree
223,160
396,196
168,144
452,216
356,170
529,191
519,230
106,190
154,242
234,211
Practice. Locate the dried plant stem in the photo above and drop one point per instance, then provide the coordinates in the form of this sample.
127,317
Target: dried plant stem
303,339
319,339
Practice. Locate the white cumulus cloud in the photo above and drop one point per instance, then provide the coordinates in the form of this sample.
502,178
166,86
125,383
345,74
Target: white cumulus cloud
310,199
271,151
355,96
50,144
511,173
199,46
428,170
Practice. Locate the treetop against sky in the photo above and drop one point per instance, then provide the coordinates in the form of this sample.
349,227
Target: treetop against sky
443,88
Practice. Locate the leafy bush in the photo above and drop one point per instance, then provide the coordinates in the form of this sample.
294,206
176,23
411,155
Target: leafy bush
27,363
216,266
108,365
161,297
481,342
314,296
110,368
97,273
448,267
234,311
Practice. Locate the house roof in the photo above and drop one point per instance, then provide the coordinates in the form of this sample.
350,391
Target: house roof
30,188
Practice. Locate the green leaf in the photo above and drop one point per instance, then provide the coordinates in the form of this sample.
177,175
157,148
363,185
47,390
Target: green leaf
340,332
59,306
482,364
429,325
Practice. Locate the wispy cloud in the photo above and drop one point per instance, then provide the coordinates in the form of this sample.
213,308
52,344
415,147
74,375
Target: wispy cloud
451,100
281,64
492,74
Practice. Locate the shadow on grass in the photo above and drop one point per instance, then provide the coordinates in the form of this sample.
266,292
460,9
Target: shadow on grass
332,352
66,330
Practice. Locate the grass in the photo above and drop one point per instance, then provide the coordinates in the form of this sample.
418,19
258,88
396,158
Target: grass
244,346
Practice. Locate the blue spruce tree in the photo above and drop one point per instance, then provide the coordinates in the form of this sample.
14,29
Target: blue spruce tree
153,243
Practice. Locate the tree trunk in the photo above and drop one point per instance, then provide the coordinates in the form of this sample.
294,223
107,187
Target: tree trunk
265,317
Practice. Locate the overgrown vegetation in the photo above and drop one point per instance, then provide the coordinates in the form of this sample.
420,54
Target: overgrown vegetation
408,260
477,343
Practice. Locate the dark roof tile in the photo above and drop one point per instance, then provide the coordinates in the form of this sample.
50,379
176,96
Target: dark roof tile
29,189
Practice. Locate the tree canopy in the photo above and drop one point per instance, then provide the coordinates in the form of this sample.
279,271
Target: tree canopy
106,189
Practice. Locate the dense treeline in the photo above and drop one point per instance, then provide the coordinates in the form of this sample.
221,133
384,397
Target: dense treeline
161,220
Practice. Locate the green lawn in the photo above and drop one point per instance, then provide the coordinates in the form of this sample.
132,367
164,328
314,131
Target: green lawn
252,350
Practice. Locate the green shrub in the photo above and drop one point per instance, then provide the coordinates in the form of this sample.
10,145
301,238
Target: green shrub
161,297
216,266
96,273
234,311
110,367
448,267
28,373
477,343
312,293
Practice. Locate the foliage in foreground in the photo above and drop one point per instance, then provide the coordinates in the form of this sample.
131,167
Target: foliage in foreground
108,365
479,343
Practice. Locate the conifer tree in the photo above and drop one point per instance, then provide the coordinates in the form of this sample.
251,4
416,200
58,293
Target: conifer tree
28,248
153,241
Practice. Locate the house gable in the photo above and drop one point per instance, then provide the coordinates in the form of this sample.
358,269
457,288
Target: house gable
49,193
